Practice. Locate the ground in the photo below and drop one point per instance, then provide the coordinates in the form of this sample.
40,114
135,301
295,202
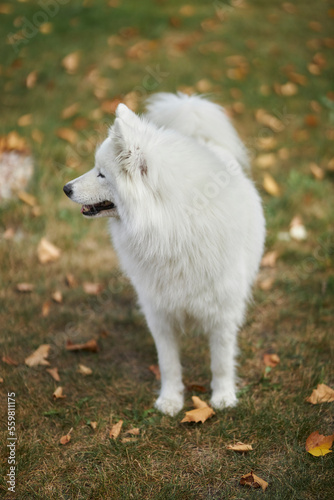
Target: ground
270,64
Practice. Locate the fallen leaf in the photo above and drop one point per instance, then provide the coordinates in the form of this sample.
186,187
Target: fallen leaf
266,284
84,370
67,134
9,361
156,371
90,346
39,356
1,380
269,259
70,280
46,28
47,252
322,394
93,425
37,135
317,171
31,79
134,432
271,186
240,447
57,297
271,360
187,10
269,120
319,445
201,413
46,308
67,438
289,89
25,120
58,393
54,373
92,288
27,198
267,142
265,160
129,440
253,481
70,111
25,287
71,62
311,120
115,430
297,229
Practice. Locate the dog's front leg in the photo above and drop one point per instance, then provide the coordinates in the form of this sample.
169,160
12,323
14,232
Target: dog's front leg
170,400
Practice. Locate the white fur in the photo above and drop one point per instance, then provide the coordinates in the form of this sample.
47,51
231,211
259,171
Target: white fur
188,228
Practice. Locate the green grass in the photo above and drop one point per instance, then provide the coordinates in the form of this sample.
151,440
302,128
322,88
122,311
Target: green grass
294,318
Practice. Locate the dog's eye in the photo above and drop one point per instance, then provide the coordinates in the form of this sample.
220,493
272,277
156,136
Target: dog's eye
101,175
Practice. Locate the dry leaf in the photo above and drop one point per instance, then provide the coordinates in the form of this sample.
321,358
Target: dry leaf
37,135
1,380
319,445
317,171
84,370
70,110
240,447
289,89
269,259
70,280
92,288
322,394
58,393
201,413
46,308
90,346
39,356
25,287
54,373
266,284
71,62
57,297
253,481
47,252
271,186
9,361
266,142
265,160
31,79
156,371
93,425
46,28
67,438
129,440
269,120
196,388
271,360
135,431
67,134
27,198
115,430
25,120
297,229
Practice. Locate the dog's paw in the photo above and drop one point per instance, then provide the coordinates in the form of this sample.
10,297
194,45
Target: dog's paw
223,400
169,405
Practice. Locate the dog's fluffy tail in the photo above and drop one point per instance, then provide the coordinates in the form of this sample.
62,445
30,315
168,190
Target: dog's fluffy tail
196,117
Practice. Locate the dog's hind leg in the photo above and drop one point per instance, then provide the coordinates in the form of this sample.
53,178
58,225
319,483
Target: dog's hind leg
170,400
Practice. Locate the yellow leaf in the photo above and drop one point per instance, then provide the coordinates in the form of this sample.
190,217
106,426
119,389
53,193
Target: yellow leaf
317,171
265,160
67,134
46,28
198,403
47,252
240,447
39,356
57,297
322,394
25,120
201,413
70,111
271,186
115,430
269,120
289,89
93,425
319,445
253,481
27,198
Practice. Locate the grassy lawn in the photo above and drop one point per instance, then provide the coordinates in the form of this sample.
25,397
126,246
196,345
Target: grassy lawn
263,61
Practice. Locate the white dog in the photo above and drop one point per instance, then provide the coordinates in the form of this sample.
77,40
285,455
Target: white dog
188,227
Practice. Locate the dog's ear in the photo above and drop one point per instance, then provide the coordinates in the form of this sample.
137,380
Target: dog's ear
125,135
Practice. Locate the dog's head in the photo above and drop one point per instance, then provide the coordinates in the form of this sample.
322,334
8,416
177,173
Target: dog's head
121,168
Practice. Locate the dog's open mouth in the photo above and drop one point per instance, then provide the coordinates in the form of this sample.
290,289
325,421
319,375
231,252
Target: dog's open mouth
91,210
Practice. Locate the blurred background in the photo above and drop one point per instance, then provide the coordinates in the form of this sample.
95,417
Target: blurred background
64,67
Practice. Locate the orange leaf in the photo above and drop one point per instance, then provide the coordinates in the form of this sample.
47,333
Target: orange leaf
240,447
92,288
67,438
271,360
253,481
155,370
91,346
54,373
201,413
319,445
271,186
58,393
9,361
322,394
47,252
67,134
57,297
84,370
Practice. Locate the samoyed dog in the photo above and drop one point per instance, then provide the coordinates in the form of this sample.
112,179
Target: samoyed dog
187,224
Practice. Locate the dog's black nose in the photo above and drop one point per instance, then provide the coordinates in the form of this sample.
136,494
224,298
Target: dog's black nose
68,190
